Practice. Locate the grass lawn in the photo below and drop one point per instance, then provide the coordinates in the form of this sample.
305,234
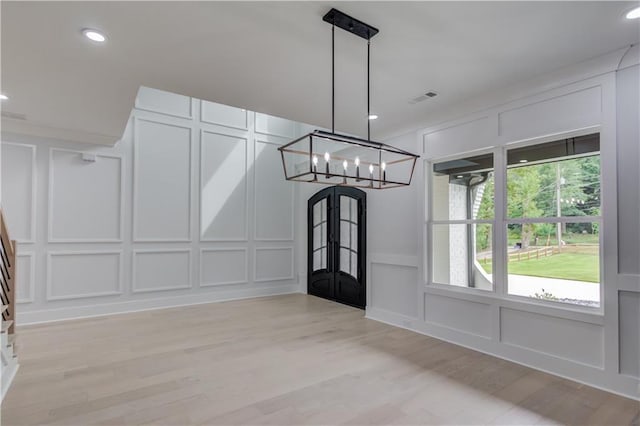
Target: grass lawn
568,266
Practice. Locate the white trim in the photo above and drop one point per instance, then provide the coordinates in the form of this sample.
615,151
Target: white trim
244,238
32,272
135,238
629,282
557,366
215,123
136,290
173,301
51,254
255,208
168,114
34,189
551,219
50,205
463,222
223,283
394,259
564,311
8,380
409,262
609,230
255,129
255,271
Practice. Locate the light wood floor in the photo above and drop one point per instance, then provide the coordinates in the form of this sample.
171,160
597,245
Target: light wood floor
280,360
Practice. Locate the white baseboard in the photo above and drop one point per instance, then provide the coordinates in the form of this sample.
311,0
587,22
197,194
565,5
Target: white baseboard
7,378
615,383
96,310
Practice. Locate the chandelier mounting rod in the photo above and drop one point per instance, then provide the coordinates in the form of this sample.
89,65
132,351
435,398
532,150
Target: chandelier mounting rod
359,28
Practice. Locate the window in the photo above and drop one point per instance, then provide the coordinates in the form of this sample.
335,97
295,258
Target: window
553,221
462,226
550,220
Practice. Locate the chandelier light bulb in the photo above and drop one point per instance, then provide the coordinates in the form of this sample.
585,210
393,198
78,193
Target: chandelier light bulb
345,163
357,161
326,157
370,168
315,160
383,166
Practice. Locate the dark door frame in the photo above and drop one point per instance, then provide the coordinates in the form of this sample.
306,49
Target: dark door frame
339,286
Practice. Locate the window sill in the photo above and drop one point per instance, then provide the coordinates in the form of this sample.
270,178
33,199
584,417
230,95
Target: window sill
576,313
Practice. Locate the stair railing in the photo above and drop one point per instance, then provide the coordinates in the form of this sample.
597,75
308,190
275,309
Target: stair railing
7,275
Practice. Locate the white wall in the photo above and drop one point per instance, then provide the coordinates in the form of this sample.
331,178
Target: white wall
189,207
598,347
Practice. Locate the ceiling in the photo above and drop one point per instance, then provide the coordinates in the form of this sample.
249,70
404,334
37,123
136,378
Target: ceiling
274,57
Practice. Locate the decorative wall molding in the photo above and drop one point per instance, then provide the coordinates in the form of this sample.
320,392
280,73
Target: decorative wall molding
178,286
32,277
244,237
50,314
49,289
286,129
256,212
245,280
34,190
50,200
160,96
220,122
256,250
136,179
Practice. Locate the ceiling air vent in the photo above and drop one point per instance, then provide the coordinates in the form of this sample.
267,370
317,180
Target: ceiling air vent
423,97
14,115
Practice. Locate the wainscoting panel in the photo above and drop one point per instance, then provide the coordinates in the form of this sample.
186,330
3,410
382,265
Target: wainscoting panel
162,182
78,274
458,138
629,313
19,191
26,277
572,340
273,264
158,270
224,190
85,198
224,266
275,126
471,317
164,217
164,102
274,209
393,288
564,113
223,115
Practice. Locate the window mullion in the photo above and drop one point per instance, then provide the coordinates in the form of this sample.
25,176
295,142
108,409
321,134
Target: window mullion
499,231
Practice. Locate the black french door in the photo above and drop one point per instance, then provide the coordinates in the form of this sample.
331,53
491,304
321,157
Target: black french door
337,240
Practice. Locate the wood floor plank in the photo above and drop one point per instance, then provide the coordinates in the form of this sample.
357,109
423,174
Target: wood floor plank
283,360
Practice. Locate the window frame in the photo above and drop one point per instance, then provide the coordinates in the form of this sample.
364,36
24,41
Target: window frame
430,222
501,221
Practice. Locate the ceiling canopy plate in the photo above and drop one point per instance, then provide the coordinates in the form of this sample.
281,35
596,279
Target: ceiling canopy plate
352,25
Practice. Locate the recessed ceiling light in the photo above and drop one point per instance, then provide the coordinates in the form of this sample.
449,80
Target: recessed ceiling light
373,117
4,97
94,35
524,161
459,177
634,14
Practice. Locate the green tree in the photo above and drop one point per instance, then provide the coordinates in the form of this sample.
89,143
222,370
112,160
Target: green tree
523,185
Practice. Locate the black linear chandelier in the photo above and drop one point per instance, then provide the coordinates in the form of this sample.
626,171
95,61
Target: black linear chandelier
333,159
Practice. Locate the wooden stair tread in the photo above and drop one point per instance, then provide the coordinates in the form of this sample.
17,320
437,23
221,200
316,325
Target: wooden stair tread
4,308
6,325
